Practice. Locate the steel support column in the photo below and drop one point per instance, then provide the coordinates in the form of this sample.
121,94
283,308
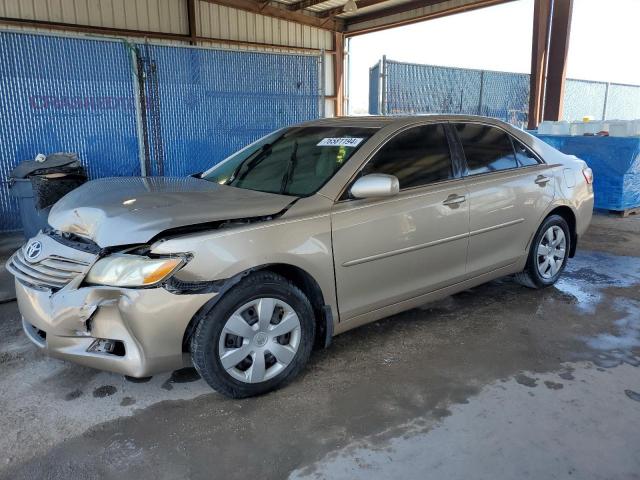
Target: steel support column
540,42
557,64
191,19
338,73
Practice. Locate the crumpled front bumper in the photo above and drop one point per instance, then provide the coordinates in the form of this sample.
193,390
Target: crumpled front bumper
149,322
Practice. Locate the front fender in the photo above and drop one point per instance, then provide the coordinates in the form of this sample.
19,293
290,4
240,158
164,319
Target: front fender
304,243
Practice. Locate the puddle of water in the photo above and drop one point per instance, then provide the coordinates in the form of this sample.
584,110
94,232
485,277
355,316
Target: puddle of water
104,391
586,279
589,273
626,334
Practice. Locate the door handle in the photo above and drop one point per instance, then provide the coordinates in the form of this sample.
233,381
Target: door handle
454,200
542,180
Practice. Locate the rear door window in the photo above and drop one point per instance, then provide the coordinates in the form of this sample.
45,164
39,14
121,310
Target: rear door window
487,149
417,156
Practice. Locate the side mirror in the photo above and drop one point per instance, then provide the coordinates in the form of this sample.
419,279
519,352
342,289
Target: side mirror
375,185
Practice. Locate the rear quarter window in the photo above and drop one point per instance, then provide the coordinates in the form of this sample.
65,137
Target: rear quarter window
524,155
487,149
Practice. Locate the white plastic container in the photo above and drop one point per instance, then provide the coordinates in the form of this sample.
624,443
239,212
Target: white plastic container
578,128
561,128
616,128
619,128
593,127
546,128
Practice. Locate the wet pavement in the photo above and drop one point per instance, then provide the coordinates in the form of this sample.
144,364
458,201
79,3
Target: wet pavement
496,382
9,243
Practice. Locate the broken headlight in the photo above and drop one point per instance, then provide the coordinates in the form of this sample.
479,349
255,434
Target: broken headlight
123,270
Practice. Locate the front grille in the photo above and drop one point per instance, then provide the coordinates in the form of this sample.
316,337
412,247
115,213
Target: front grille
53,272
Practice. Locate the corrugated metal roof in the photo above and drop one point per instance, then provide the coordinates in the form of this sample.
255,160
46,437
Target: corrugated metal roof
321,7
401,16
332,5
372,8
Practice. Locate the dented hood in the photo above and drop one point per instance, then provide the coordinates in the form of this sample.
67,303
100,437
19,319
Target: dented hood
121,211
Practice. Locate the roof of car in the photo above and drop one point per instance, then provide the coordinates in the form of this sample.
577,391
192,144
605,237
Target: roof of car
383,121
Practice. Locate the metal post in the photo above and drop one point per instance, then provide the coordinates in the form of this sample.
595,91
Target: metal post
191,21
539,52
383,86
140,124
379,92
338,73
557,65
606,101
347,76
322,85
481,93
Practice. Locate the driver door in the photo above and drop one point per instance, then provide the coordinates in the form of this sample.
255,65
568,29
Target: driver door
392,249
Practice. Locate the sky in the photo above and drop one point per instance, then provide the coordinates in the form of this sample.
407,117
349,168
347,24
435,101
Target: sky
604,43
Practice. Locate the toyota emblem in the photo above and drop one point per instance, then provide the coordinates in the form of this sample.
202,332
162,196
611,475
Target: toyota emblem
34,250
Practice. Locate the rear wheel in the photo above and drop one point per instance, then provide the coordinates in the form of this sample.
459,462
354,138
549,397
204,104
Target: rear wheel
548,254
257,337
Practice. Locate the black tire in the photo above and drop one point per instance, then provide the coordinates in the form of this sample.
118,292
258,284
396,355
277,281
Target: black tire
531,277
205,339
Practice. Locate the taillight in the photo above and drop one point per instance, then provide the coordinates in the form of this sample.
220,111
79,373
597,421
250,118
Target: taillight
588,175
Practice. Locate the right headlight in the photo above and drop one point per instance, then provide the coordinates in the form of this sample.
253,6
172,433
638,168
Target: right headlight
123,270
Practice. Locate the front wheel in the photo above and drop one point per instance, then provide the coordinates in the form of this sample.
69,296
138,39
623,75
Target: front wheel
257,337
548,254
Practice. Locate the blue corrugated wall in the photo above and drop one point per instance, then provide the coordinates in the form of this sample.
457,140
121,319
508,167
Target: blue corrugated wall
76,94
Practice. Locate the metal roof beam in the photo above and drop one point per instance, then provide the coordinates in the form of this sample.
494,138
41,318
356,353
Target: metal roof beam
304,4
395,9
331,12
279,11
408,7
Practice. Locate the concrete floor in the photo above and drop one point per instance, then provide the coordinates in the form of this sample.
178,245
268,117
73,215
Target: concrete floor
9,243
498,382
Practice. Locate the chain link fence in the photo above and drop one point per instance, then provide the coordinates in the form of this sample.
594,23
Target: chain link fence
397,88
135,108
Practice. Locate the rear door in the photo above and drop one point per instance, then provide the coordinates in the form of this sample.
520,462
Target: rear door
509,191
392,249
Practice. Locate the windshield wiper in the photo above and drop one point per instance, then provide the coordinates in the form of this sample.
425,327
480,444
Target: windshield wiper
250,162
293,160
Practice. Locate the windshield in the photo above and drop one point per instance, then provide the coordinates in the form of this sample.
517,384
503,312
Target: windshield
294,161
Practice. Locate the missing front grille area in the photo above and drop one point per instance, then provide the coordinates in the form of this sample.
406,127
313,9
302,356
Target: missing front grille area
41,333
37,336
108,346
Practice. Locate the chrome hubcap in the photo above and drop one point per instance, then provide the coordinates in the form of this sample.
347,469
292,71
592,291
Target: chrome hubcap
551,252
259,340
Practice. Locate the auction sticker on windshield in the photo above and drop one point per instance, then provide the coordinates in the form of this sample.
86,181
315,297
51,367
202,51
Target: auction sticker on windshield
340,142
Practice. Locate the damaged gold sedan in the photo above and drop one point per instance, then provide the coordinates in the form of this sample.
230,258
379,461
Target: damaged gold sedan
312,230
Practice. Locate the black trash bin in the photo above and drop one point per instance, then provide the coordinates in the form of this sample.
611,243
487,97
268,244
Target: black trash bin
39,183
